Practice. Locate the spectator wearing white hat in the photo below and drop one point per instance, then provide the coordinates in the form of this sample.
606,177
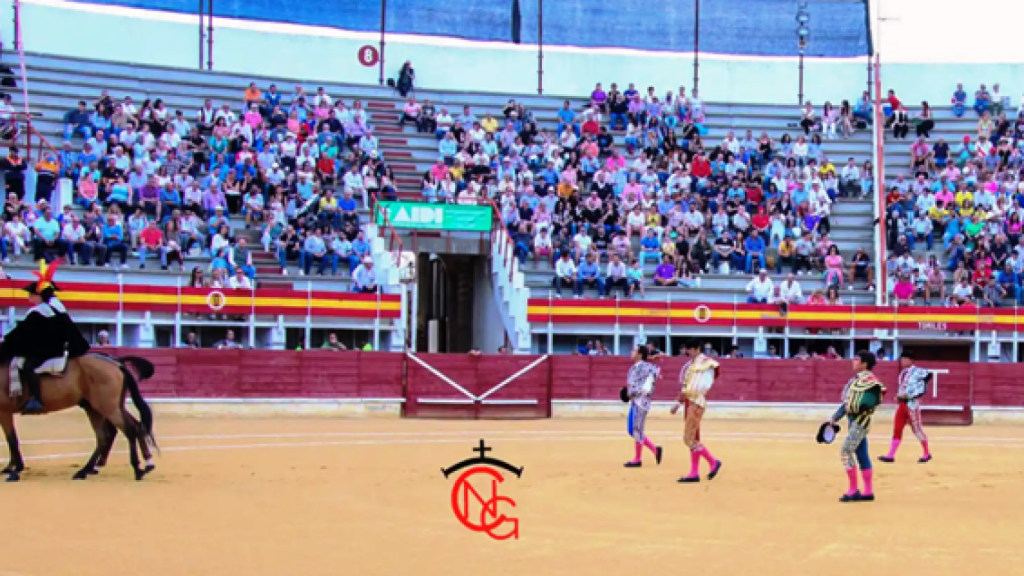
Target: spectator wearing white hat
760,289
365,278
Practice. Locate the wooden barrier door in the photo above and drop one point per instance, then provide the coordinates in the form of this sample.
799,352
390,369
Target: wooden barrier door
486,386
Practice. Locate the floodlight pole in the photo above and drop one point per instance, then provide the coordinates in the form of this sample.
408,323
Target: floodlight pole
540,46
696,44
800,96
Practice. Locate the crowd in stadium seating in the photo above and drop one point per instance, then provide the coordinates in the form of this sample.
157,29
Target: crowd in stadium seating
962,204
571,197
295,169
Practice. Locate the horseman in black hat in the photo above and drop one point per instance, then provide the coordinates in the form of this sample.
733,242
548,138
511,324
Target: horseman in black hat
46,333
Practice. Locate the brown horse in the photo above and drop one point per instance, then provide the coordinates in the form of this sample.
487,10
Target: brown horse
97,384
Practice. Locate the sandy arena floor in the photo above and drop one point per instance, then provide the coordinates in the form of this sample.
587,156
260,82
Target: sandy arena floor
321,496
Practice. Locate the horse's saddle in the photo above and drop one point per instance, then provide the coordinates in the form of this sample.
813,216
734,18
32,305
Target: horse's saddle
54,366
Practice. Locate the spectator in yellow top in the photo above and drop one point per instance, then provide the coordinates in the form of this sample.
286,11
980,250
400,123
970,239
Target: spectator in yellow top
964,195
489,123
827,168
329,210
786,253
967,210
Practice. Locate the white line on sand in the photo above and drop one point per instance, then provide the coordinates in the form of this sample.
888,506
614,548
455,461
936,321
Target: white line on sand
598,437
485,433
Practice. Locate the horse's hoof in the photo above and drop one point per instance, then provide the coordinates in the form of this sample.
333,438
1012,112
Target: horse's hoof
93,471
13,477
80,475
140,474
150,468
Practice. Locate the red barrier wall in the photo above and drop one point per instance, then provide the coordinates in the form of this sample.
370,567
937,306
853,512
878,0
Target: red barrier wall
592,378
323,374
270,374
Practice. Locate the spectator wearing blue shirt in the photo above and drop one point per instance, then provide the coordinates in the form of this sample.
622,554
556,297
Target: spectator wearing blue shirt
588,275
360,246
78,121
550,174
271,100
113,239
364,278
46,236
247,168
650,247
567,119
314,250
959,101
982,100
170,200
755,249
305,189
1009,281
70,162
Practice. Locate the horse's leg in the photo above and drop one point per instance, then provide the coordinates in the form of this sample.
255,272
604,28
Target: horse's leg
147,453
127,424
110,435
17,465
98,423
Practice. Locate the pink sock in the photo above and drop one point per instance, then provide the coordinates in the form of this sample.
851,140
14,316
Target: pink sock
639,452
927,452
707,456
869,485
650,445
893,447
851,473
694,464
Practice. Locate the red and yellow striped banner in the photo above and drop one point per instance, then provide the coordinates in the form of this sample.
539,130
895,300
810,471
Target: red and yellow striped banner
722,314
275,302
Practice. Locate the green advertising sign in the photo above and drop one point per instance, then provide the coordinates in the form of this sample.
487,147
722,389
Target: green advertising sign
447,217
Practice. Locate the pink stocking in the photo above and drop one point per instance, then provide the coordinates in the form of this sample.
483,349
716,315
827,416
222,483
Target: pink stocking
893,447
694,464
851,473
650,445
869,485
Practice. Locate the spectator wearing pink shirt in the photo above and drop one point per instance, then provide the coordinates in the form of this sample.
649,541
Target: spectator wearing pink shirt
253,117
633,189
439,170
411,113
615,162
945,196
904,291
921,156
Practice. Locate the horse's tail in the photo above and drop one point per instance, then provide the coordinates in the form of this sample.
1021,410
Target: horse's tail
144,368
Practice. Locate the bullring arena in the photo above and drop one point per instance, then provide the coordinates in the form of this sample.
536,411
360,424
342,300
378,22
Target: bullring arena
322,487
391,294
